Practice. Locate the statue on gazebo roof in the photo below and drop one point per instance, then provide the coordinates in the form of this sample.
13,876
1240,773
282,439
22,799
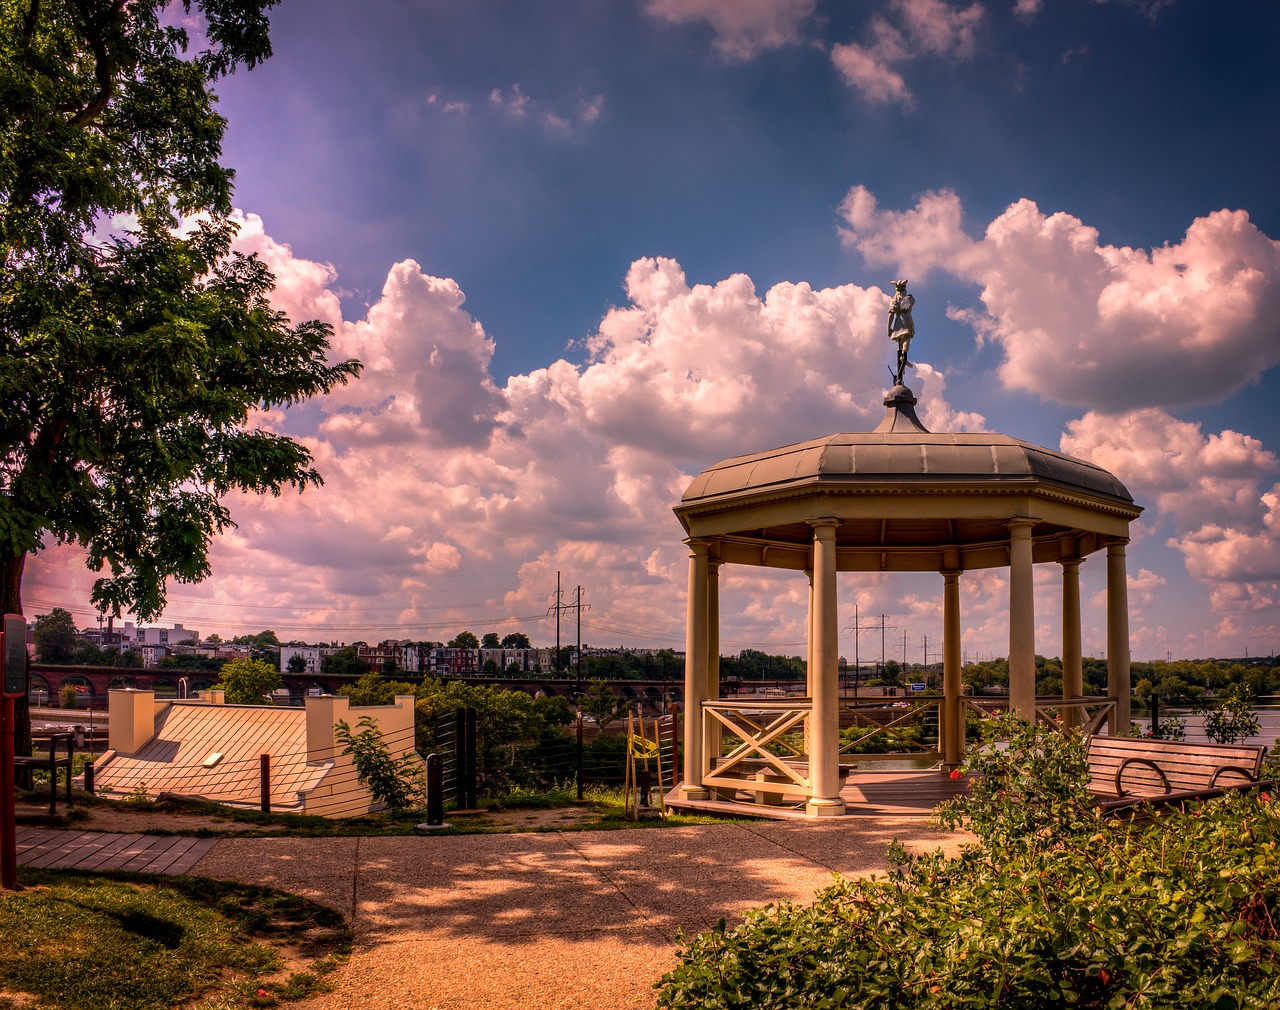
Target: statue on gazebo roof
901,327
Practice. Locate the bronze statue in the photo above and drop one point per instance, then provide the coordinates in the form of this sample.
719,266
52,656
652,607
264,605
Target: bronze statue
901,327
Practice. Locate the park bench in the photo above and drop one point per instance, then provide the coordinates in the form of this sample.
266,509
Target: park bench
51,762
1128,772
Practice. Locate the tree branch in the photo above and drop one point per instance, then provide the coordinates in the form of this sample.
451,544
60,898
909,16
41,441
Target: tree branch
104,67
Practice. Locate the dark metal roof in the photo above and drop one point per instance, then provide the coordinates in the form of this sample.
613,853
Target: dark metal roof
874,457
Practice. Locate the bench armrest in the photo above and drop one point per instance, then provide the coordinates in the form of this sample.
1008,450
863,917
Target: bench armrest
1244,773
1164,779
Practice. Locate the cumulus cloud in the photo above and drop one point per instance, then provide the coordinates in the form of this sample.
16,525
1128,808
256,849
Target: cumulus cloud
451,499
932,28
742,28
1084,322
1216,492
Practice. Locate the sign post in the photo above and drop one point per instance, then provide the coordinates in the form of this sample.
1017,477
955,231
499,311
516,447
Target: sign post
13,681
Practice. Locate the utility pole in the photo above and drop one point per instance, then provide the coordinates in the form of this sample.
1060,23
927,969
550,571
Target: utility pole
557,606
579,606
857,627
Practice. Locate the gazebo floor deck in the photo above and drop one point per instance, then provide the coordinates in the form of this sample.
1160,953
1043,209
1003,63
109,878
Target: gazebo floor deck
876,793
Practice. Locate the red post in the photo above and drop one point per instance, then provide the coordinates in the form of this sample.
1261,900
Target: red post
265,778
8,816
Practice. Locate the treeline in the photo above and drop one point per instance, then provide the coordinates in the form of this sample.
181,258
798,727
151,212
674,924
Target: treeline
1175,682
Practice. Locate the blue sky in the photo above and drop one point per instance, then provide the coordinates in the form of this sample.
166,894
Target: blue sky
1083,195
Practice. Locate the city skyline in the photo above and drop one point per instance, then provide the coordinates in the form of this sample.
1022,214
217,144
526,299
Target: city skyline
586,254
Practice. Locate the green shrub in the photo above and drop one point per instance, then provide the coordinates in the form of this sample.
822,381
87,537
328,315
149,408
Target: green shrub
396,782
1052,907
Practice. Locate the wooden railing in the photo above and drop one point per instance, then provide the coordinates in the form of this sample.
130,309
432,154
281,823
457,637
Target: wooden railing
752,743
900,717
1086,715
761,727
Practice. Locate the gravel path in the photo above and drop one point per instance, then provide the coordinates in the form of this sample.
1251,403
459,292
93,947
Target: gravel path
548,921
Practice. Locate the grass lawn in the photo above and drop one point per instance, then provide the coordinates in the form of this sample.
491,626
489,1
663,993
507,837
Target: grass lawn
103,941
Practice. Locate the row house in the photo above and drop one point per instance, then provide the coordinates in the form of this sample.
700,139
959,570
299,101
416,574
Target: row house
313,655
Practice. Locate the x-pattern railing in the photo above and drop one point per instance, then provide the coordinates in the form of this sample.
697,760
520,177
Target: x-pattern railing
758,725
890,729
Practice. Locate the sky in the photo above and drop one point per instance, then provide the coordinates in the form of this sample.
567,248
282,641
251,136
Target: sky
586,249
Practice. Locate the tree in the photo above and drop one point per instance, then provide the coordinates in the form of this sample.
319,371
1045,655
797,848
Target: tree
601,703
516,640
396,782
133,354
373,689
249,681
345,662
297,663
490,641
55,635
465,640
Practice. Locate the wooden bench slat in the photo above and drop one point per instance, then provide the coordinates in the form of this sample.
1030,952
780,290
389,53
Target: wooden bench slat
1191,770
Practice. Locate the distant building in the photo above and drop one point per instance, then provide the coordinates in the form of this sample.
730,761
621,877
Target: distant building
313,655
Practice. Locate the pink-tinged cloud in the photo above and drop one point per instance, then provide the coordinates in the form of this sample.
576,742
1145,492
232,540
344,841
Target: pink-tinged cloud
873,77
452,499
1216,491
931,28
1083,322
742,28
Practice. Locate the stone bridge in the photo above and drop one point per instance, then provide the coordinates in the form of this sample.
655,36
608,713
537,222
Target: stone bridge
93,682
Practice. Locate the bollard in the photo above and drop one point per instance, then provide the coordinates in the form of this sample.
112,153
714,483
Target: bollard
264,764
578,769
473,800
88,778
435,790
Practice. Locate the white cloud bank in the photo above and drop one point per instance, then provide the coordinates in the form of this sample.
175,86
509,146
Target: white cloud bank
451,499
1091,324
1128,334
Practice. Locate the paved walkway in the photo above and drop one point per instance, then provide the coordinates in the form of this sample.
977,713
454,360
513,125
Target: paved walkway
549,921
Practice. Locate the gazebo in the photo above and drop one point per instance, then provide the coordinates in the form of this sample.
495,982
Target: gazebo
896,499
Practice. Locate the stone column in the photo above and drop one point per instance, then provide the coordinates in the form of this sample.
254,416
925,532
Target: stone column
952,711
1022,621
1118,634
695,670
711,740
824,755
1072,664
810,664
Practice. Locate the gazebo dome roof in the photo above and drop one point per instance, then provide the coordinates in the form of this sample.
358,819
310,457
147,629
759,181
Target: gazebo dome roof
905,498
903,452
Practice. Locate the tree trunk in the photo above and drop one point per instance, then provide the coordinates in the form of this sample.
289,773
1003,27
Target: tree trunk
11,603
